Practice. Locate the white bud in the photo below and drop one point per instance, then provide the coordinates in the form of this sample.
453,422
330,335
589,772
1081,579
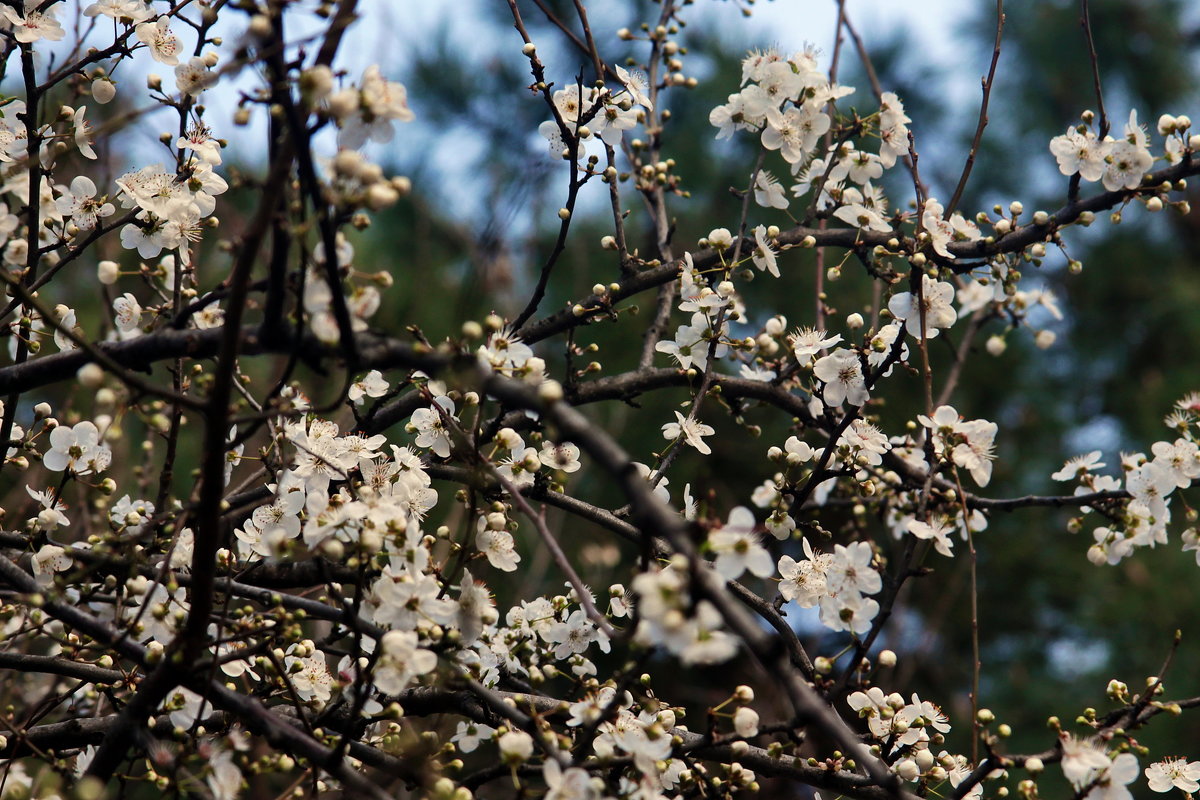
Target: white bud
854,321
90,376
371,541
996,345
381,195
719,239
887,658
550,391
1045,339
745,722
515,747
103,90
344,103
260,26
317,82
609,243
108,272
907,769
508,438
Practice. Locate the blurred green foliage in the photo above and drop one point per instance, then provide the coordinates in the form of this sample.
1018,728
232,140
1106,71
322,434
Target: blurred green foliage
1054,628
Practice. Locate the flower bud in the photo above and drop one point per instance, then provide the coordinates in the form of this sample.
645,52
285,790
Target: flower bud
108,272
90,376
380,196
745,722
103,90
515,747
344,103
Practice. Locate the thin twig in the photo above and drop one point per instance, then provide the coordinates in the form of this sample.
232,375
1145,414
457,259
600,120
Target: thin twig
983,114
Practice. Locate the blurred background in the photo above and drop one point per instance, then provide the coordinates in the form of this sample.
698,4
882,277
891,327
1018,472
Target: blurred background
481,217
1054,628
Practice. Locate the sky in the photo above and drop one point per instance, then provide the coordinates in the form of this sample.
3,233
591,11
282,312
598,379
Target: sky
392,31
788,24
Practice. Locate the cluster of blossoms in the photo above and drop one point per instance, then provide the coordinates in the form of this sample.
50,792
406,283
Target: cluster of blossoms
909,731
1118,164
1137,504
581,116
410,609
785,100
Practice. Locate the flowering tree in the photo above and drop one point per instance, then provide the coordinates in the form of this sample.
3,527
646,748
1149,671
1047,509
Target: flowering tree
329,605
